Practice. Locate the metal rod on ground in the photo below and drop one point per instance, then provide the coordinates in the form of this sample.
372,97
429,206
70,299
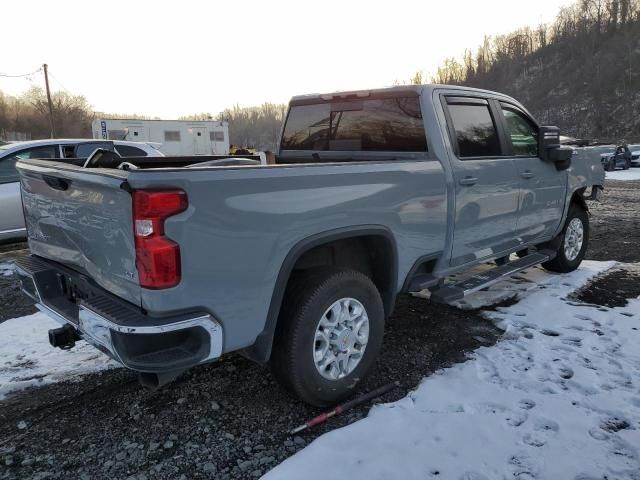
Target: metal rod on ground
346,406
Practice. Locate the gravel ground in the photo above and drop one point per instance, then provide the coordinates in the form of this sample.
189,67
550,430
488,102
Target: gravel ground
230,419
615,223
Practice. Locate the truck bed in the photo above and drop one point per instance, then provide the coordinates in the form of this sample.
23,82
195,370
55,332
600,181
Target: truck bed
241,224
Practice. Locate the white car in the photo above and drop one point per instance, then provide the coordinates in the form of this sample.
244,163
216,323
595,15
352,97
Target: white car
11,218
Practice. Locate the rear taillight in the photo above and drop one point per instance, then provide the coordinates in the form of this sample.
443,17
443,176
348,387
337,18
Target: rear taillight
157,257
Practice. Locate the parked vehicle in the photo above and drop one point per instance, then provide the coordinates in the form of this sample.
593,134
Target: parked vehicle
11,218
635,155
298,264
620,158
176,137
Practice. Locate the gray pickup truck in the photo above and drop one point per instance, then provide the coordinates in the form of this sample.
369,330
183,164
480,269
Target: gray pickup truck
167,263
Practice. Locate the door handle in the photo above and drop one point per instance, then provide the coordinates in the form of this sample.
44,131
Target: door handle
56,183
527,174
468,181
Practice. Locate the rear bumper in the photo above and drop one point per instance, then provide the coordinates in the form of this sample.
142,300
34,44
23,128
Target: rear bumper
136,340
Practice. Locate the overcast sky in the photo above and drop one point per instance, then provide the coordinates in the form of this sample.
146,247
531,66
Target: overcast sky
172,58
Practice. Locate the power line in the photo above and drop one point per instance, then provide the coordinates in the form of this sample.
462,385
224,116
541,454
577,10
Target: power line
59,82
22,75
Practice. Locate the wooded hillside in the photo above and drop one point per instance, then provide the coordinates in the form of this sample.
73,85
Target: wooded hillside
581,73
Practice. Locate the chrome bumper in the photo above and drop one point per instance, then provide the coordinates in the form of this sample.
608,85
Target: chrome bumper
144,344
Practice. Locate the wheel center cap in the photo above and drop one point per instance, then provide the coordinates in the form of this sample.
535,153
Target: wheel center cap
345,340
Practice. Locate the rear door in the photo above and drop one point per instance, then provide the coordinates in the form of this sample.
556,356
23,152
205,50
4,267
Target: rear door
542,186
486,182
82,219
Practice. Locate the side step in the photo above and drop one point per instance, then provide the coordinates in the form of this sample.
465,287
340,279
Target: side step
451,293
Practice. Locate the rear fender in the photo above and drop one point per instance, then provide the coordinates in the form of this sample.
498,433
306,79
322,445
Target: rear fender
260,351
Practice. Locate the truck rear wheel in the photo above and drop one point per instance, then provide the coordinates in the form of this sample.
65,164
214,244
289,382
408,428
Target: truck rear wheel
329,334
573,243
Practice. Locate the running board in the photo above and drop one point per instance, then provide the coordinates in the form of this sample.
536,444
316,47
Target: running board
451,293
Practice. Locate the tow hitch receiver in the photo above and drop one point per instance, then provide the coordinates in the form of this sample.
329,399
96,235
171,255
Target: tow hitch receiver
64,337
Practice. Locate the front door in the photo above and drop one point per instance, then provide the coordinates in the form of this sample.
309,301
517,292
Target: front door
486,182
200,141
542,187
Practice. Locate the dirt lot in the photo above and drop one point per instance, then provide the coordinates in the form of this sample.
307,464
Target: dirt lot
229,419
615,223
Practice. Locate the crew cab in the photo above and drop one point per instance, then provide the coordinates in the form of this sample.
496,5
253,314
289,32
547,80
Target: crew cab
171,262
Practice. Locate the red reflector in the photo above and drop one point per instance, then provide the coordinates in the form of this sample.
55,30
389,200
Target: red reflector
157,257
157,262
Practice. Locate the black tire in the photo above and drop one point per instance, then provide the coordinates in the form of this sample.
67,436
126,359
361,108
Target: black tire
308,297
561,263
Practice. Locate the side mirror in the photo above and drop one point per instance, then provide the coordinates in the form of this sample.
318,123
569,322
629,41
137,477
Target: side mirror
551,150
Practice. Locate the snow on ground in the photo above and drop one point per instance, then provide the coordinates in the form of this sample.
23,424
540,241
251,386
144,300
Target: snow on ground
631,174
27,359
6,269
557,398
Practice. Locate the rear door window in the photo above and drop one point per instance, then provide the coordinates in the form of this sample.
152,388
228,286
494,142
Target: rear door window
383,125
475,130
129,151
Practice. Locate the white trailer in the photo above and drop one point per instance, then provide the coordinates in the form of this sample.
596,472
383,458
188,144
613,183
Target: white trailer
178,137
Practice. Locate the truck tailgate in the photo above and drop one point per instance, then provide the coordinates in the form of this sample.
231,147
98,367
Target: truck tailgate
82,219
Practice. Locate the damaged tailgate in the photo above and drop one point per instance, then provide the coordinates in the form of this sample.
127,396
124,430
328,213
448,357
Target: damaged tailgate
82,219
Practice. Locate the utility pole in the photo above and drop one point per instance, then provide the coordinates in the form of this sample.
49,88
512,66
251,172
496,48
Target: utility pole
46,81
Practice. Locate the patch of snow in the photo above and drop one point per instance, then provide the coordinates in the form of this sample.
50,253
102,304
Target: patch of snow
558,397
7,269
28,360
631,174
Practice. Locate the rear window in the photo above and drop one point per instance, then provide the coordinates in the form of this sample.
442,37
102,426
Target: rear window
387,125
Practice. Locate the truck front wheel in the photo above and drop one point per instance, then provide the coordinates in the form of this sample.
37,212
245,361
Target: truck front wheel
329,334
573,242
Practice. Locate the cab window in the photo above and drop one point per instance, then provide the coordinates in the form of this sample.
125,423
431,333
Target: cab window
523,132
